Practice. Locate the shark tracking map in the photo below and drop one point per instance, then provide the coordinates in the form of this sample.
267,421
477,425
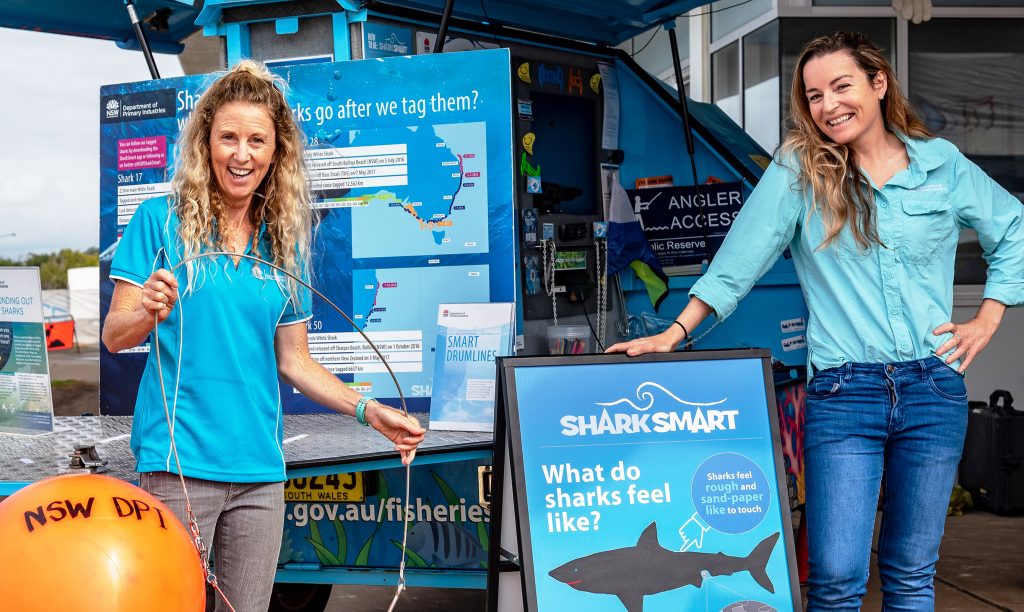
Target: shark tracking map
410,163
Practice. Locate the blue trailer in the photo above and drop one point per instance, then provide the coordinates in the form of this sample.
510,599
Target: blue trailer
581,115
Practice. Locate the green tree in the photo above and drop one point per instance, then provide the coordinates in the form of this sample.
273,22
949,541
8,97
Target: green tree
53,267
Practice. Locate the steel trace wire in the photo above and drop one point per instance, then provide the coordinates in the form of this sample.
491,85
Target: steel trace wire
197,538
549,258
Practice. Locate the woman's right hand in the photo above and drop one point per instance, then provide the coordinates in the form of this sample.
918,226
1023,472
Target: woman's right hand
160,294
665,342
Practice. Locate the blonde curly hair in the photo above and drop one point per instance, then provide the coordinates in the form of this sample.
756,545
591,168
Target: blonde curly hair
282,200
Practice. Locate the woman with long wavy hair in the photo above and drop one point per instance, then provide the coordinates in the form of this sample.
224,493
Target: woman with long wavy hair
235,325
871,206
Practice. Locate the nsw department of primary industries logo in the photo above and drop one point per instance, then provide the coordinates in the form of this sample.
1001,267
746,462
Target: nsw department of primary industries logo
113,108
445,313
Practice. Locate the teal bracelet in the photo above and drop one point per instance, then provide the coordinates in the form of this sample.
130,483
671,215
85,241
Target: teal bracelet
361,409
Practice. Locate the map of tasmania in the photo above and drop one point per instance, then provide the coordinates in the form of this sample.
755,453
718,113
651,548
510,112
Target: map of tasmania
403,302
433,204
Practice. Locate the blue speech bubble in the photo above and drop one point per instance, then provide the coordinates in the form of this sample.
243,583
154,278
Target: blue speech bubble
730,492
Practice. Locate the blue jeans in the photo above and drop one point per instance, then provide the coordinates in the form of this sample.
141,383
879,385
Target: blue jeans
906,420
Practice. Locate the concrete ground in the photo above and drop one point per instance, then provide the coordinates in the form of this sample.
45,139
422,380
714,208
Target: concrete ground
81,364
75,375
377,599
981,565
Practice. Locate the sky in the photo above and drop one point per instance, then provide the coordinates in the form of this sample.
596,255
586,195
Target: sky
49,136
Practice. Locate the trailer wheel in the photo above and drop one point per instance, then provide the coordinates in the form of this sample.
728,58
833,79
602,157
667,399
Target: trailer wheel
288,597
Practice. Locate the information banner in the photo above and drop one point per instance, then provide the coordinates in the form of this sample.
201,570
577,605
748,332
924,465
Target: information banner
674,226
651,483
469,339
26,405
410,163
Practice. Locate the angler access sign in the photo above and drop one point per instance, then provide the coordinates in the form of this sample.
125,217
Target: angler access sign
686,225
650,483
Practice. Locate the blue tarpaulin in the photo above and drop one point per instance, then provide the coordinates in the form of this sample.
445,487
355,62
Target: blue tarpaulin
607,22
168,22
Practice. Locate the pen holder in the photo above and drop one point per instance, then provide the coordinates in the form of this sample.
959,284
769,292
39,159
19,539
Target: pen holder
568,339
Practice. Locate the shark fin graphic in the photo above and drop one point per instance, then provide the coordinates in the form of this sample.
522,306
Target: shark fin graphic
633,602
757,561
649,538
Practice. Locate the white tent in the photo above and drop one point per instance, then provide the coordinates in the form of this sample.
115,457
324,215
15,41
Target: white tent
84,303
56,303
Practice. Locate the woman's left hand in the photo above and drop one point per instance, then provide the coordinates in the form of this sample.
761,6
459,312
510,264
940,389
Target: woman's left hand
968,340
405,431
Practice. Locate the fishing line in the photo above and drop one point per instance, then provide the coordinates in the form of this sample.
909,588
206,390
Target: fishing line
193,524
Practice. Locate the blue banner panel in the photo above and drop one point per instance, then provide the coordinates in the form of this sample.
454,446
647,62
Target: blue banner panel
650,484
410,162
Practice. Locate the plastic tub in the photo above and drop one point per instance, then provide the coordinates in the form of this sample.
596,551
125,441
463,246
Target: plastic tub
568,339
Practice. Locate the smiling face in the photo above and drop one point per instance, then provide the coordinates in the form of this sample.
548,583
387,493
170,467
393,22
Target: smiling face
843,101
242,145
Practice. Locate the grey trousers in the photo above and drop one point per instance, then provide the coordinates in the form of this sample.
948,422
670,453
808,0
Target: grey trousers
244,522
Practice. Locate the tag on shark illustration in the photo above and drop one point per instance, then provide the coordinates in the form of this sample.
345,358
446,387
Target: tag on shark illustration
6,343
648,568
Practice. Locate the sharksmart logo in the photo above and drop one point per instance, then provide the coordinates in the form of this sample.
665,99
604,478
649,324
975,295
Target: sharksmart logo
694,417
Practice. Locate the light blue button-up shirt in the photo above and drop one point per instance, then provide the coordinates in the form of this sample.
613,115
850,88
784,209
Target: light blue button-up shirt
877,305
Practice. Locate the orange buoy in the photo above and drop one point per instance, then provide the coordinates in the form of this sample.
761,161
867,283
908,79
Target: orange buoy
92,542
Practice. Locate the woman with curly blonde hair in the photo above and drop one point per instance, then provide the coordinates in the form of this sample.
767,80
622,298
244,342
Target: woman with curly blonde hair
237,325
282,200
871,206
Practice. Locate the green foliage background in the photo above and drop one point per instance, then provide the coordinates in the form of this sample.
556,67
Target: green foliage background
53,267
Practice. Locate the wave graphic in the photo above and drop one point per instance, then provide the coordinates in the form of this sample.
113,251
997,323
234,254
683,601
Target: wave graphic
648,396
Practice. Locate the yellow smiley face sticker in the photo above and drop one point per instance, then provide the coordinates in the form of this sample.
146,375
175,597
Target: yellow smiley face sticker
524,73
595,82
528,139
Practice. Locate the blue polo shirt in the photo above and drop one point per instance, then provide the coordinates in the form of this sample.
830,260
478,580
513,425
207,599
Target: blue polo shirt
879,304
217,352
